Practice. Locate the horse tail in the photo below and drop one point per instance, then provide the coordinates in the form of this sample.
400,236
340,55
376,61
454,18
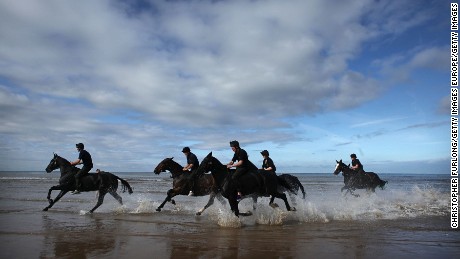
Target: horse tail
379,181
125,186
301,188
382,184
285,184
294,183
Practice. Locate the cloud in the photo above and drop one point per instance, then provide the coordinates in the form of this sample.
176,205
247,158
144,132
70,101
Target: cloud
425,125
444,106
376,122
140,75
191,61
400,66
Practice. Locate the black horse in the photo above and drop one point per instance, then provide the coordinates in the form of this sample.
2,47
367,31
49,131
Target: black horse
354,180
252,183
205,184
104,182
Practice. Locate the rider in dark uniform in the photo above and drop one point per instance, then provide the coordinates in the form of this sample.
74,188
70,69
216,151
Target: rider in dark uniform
356,164
267,165
242,166
192,165
84,157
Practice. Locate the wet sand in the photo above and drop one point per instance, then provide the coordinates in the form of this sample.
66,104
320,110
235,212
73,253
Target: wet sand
169,235
408,220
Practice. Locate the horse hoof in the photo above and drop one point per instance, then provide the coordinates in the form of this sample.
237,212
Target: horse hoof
173,202
198,213
45,209
158,209
293,209
273,205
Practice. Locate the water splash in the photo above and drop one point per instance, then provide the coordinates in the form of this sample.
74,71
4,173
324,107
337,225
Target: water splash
84,212
321,206
271,216
226,219
145,206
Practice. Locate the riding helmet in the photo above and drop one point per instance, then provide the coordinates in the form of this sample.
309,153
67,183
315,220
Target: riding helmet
353,155
80,146
234,143
265,153
186,150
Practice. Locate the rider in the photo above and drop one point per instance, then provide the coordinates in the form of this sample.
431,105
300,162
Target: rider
356,164
267,165
85,158
192,165
242,166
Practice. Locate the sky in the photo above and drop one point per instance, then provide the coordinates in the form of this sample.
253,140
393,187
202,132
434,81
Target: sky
309,81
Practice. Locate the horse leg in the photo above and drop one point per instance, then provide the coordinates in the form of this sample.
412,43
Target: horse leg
271,204
284,198
234,205
116,196
353,193
221,199
58,197
57,187
210,202
254,202
169,196
100,200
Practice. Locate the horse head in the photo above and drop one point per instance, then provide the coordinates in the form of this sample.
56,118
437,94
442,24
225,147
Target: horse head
211,164
206,164
164,165
53,165
339,167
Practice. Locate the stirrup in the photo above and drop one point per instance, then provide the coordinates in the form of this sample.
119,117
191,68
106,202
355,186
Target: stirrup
191,193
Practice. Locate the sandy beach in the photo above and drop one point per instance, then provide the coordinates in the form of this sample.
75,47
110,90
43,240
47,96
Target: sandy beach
406,220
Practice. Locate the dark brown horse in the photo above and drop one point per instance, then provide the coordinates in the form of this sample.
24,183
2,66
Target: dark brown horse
104,182
204,185
355,180
252,183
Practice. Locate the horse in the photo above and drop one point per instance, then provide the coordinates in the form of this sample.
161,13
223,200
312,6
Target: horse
354,180
252,183
103,182
204,185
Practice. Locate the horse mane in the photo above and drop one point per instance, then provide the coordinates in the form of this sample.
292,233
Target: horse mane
66,163
175,168
61,158
174,162
217,161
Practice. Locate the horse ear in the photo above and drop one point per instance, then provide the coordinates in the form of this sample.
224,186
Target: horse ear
337,161
210,154
55,155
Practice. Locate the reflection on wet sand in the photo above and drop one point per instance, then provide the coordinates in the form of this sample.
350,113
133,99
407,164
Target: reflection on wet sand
67,235
78,238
